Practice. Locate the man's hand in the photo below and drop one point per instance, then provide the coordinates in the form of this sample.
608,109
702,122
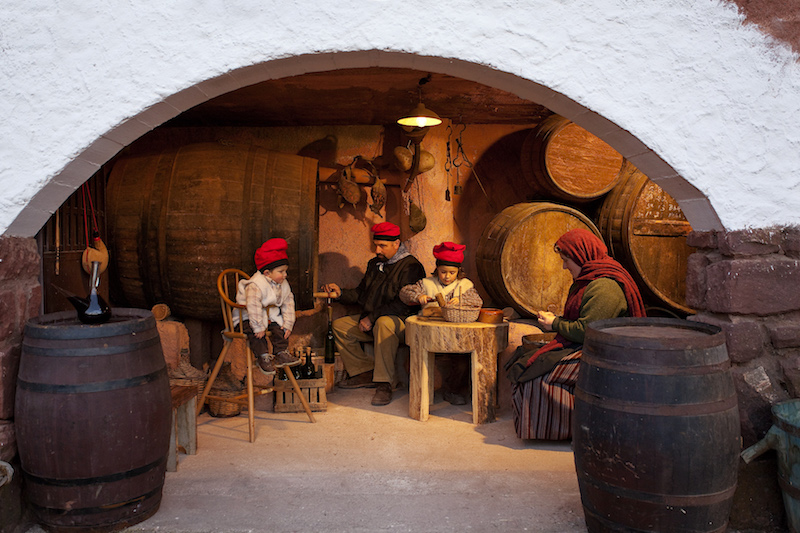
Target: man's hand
332,288
365,324
546,319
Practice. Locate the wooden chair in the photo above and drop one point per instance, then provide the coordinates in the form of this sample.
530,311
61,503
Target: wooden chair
227,283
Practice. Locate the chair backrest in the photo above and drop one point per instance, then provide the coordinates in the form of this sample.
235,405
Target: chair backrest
227,285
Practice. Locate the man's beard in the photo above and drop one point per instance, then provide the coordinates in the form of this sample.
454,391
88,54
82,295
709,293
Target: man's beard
381,257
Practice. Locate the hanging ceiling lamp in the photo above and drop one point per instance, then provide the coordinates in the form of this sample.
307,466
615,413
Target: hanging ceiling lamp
420,117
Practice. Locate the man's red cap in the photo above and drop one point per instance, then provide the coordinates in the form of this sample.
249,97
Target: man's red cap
385,231
272,254
449,253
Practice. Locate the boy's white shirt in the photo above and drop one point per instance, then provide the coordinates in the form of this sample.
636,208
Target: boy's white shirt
433,286
282,310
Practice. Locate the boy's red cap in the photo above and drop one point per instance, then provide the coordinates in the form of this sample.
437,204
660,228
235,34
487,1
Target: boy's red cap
449,253
385,231
272,254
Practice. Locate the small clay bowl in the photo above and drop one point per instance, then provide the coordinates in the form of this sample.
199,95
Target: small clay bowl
490,316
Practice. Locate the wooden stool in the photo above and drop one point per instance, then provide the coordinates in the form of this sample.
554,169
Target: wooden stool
184,424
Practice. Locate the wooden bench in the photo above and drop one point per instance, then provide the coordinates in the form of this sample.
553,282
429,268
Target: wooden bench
184,424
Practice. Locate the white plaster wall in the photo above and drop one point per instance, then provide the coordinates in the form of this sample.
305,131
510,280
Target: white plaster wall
713,100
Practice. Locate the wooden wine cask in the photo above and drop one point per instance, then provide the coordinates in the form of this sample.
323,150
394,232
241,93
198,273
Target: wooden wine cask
563,161
646,231
179,217
656,426
515,259
93,416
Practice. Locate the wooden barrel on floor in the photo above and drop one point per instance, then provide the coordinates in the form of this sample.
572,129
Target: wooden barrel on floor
646,231
93,413
563,161
515,259
656,426
179,217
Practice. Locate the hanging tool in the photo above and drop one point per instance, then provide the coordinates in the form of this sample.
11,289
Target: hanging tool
448,164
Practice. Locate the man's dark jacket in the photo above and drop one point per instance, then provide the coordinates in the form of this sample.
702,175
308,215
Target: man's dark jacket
379,290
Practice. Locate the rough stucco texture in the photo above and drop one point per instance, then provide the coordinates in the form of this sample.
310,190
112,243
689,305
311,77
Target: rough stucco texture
715,98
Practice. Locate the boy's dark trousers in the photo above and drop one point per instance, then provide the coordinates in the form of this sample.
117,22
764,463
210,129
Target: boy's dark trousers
260,346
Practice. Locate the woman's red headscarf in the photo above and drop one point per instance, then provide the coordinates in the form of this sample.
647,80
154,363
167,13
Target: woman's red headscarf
589,253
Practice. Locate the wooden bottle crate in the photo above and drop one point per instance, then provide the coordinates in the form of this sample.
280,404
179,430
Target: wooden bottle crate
286,401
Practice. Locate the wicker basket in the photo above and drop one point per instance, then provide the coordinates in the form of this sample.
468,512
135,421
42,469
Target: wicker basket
460,314
221,408
200,383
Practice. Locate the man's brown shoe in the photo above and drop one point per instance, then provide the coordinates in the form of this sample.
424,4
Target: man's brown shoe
383,394
363,380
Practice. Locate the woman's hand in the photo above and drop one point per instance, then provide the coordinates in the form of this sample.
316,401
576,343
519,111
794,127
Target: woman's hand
545,319
332,288
423,299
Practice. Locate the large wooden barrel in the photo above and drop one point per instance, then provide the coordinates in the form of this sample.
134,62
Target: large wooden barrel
646,231
656,426
93,413
515,259
563,161
179,217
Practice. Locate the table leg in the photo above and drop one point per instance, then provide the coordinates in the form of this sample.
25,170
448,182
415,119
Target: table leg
484,379
420,387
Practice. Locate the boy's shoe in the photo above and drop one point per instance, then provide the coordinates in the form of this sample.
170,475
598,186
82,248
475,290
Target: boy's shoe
284,358
265,363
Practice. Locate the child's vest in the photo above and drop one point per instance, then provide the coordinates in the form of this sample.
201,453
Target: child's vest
433,286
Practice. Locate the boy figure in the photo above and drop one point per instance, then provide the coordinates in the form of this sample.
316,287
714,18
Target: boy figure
270,307
382,317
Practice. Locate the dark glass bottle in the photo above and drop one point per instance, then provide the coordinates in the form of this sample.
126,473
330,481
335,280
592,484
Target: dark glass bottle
297,369
308,370
330,341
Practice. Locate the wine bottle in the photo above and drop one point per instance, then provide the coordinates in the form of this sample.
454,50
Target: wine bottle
330,340
296,369
308,368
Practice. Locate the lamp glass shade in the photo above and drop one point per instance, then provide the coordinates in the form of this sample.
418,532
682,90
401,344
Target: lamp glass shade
420,117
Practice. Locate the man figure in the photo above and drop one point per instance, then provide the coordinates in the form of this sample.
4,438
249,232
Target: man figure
382,317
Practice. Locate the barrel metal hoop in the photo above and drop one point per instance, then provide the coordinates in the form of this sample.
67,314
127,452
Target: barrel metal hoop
99,386
62,513
613,525
670,500
662,370
135,323
639,408
78,482
791,429
788,488
51,351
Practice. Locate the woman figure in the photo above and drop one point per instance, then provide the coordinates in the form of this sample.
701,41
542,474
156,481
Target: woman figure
544,380
450,281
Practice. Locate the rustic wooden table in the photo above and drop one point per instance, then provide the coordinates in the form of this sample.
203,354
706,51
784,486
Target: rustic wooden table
428,335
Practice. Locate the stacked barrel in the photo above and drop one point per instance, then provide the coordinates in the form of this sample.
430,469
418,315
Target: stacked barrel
580,181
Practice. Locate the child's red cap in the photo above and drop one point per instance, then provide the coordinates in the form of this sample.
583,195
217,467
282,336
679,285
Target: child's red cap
449,253
385,231
272,254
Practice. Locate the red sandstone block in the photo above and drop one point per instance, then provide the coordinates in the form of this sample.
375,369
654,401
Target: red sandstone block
18,258
791,242
8,441
696,282
745,339
791,369
759,286
702,239
750,242
785,334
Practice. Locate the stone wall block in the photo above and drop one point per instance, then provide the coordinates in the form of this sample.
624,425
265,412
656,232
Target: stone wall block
785,334
791,371
18,256
696,281
8,441
750,242
757,390
702,239
746,339
759,286
791,243
9,367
